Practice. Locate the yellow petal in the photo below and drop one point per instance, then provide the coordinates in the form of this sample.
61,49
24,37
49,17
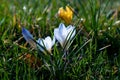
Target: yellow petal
66,14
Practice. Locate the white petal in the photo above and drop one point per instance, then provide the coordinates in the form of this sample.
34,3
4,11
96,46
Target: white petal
62,27
62,31
48,43
70,27
40,41
58,36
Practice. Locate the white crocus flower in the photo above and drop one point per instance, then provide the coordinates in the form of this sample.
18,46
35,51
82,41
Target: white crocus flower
47,43
64,34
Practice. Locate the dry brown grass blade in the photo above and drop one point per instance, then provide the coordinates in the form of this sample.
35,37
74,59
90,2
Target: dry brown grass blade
31,60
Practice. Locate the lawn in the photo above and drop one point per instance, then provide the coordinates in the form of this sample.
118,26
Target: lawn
88,49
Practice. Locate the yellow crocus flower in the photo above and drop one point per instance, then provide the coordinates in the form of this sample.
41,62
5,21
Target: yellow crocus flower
66,14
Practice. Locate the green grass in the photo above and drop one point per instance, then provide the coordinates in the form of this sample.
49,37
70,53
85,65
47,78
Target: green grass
93,55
